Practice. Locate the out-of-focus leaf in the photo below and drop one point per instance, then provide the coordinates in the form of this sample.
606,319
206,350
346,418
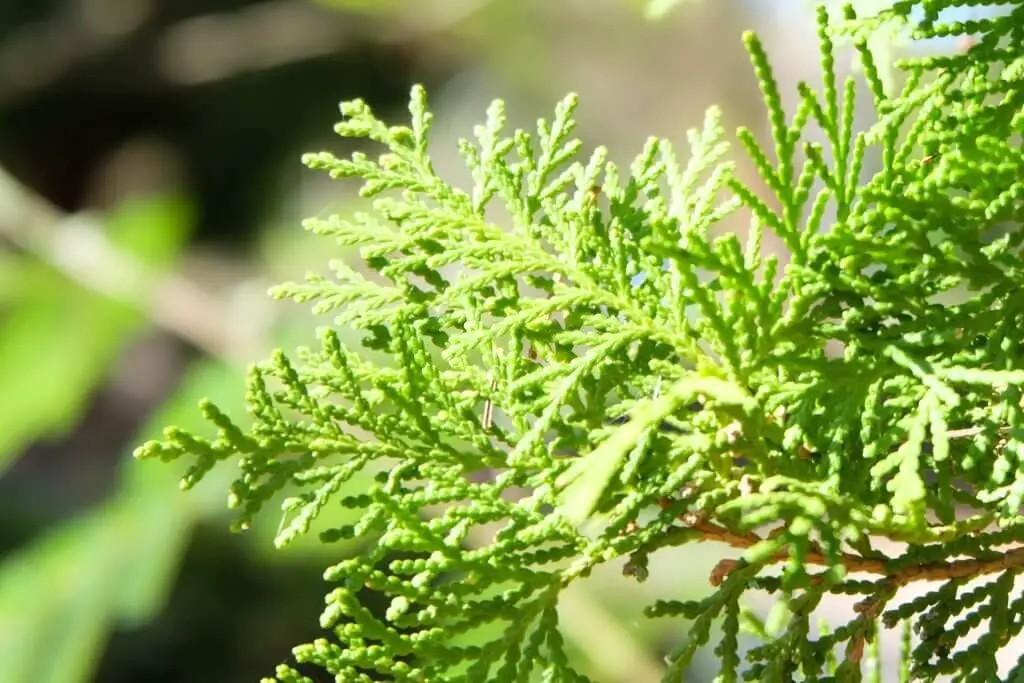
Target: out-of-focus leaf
57,340
61,595
51,616
15,278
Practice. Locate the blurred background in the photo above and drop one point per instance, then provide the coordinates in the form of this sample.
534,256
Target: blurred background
151,191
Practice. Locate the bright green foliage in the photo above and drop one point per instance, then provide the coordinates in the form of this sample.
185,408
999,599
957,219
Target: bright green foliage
510,326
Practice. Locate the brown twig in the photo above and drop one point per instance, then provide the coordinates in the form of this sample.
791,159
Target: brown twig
868,612
929,571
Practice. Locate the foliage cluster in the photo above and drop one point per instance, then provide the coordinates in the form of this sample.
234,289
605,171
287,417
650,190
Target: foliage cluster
567,365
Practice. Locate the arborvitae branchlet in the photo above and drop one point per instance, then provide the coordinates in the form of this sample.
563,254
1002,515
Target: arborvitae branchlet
601,357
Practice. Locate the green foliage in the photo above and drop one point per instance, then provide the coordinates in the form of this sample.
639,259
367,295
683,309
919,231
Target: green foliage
60,597
566,365
57,341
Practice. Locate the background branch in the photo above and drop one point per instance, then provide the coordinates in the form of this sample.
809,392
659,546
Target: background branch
77,246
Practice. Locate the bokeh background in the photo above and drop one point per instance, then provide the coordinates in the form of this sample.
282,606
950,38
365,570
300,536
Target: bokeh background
151,191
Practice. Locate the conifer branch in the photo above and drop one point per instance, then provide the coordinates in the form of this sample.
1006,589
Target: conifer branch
1011,560
537,378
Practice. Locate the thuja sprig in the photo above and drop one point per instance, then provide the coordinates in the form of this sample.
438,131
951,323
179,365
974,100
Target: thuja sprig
602,375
